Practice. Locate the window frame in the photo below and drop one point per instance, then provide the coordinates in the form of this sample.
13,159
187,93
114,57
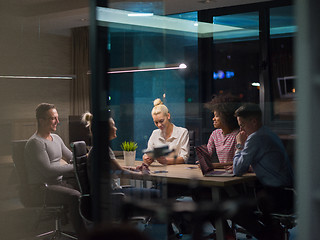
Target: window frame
282,127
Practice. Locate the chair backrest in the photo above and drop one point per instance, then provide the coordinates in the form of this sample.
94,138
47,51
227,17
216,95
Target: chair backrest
80,159
192,156
78,130
21,170
18,160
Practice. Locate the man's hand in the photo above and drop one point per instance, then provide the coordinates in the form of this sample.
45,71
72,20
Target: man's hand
147,160
241,137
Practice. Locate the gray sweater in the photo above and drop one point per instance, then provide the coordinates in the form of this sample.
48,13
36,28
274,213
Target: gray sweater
42,158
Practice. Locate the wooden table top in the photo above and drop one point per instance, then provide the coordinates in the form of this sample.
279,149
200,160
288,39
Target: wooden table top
188,174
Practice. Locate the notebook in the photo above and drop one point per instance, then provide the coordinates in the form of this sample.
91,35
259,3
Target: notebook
206,164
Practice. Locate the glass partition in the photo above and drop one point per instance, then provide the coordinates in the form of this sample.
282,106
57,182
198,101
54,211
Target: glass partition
282,33
152,56
236,56
139,53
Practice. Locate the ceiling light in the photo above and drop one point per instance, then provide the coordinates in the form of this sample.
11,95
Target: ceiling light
39,77
115,18
147,69
140,14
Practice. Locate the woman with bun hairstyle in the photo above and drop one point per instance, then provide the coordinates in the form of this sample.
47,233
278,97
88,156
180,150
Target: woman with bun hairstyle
177,138
116,168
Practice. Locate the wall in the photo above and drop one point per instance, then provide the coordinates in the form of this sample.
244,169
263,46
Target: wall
30,52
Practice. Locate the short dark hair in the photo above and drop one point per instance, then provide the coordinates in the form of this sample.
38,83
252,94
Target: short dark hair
249,110
42,108
226,105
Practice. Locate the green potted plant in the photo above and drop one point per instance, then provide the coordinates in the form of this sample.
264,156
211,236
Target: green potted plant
129,152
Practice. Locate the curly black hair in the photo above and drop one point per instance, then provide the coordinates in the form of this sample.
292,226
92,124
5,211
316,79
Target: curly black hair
225,105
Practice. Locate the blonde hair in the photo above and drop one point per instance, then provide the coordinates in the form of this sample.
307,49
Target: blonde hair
87,119
159,107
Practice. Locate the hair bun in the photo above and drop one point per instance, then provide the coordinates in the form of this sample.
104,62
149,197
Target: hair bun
87,118
157,102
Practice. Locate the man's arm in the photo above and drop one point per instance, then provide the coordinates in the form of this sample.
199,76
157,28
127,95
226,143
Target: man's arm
244,157
39,158
66,153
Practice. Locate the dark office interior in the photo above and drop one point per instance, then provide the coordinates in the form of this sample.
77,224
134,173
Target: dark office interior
90,56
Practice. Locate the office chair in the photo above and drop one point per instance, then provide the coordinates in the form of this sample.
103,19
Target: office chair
80,159
45,212
286,217
80,167
192,141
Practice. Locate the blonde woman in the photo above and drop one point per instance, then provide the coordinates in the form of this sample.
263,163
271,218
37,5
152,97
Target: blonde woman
177,138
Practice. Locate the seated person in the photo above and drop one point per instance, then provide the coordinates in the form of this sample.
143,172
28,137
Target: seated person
264,151
221,144
116,168
222,141
177,138
43,153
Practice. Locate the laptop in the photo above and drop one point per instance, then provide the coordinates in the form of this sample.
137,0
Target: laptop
207,167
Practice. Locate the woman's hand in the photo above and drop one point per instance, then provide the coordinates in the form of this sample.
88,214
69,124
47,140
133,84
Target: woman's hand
162,160
147,160
143,169
229,168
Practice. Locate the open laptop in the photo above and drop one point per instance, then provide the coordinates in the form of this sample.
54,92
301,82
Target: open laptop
207,167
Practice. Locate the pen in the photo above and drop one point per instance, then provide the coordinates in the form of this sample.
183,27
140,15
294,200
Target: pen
160,171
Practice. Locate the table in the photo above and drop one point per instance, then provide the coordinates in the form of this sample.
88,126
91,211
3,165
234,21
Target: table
191,174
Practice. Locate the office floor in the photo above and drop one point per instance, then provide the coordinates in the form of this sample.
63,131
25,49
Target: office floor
156,233
17,223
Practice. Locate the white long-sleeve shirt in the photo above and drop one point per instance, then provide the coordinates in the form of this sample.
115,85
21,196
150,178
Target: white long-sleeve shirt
179,141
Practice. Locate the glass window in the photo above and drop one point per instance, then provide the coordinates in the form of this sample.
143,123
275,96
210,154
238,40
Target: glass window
144,65
241,27
283,90
236,56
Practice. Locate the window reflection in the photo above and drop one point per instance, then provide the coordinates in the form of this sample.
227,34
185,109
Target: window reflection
236,56
282,29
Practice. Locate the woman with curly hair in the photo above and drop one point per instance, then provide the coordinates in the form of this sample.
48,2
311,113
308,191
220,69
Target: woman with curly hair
222,141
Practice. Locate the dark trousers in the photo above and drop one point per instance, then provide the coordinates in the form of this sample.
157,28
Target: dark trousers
60,194
204,194
269,200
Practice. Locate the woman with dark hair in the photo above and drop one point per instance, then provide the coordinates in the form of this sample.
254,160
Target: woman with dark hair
221,144
87,118
222,141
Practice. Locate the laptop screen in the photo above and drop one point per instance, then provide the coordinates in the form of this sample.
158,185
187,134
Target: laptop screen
204,159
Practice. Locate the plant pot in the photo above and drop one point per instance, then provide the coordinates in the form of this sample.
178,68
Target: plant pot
129,158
